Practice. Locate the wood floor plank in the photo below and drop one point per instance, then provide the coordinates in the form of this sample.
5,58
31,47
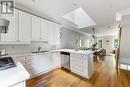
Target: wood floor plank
105,75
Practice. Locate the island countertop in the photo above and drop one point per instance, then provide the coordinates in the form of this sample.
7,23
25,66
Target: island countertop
85,52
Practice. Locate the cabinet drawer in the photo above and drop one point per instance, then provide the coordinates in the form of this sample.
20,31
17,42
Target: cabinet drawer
79,63
79,67
81,71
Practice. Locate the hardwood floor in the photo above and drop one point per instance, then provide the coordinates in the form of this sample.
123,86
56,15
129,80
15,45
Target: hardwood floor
105,75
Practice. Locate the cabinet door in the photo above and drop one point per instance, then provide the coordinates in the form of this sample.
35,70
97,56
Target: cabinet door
44,30
36,28
24,26
56,59
49,61
37,63
41,63
12,34
57,34
51,28
79,64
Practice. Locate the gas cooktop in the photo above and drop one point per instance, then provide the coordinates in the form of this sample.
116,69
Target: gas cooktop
6,63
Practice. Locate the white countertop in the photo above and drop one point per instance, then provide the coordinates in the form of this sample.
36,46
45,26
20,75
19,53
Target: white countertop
13,75
85,52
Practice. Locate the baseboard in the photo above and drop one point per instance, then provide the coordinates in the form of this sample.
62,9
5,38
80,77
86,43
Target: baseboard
124,61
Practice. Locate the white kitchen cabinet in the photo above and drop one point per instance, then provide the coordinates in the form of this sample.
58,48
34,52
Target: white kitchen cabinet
54,33
44,30
41,63
56,59
36,28
81,64
37,63
19,29
48,61
12,34
51,28
57,34
24,27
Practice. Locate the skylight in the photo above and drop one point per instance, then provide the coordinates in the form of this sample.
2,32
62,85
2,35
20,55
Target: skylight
80,18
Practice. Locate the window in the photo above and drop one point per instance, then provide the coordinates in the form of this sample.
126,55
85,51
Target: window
7,7
100,43
116,43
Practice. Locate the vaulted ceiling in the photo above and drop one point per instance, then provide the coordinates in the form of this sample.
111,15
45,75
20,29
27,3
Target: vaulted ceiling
103,12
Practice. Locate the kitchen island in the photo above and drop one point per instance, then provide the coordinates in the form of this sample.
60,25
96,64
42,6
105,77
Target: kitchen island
81,62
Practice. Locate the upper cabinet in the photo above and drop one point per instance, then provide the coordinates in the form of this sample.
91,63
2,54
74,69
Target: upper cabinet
51,36
39,29
19,31
24,26
54,33
36,28
57,34
44,30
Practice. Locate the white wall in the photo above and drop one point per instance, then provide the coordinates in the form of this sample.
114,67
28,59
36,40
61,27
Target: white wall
125,45
69,37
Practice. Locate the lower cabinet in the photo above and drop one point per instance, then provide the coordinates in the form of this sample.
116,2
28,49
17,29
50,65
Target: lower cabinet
81,64
56,59
40,63
36,64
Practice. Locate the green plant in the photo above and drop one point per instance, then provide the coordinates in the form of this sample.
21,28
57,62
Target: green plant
94,45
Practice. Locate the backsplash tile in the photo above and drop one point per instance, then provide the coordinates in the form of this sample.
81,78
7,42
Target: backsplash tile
23,48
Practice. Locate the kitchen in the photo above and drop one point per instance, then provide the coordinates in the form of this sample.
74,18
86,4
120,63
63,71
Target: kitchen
34,46
40,39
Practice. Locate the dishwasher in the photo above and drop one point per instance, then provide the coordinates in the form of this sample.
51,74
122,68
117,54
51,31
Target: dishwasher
65,60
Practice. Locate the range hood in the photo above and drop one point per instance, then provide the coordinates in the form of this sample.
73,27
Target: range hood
4,23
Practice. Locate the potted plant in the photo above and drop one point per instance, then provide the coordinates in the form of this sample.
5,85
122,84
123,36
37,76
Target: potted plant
94,46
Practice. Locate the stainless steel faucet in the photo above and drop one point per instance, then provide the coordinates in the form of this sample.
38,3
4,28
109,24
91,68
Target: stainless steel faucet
39,48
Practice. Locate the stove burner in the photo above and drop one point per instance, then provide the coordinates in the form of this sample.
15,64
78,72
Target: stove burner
6,62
